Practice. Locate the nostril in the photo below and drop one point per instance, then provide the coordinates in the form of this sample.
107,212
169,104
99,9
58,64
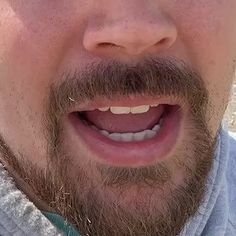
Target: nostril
164,42
106,44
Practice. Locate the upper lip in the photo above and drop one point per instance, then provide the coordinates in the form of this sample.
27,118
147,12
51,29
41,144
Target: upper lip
125,102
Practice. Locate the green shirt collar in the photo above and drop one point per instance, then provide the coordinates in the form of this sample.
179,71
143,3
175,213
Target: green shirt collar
61,224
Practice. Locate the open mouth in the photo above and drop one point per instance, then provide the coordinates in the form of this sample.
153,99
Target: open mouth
126,124
129,135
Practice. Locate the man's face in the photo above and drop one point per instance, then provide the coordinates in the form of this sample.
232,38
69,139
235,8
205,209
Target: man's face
63,62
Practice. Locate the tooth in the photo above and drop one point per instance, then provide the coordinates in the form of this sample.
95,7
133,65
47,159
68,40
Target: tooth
156,128
127,137
120,110
161,121
155,105
139,136
104,132
103,109
94,127
85,122
115,136
150,134
139,109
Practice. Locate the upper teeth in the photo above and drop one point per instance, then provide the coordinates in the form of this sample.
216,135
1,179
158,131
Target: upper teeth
127,110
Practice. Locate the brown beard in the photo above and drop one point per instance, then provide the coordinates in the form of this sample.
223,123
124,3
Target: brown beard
82,201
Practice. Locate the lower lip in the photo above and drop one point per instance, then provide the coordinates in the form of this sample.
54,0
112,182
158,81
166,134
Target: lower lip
131,154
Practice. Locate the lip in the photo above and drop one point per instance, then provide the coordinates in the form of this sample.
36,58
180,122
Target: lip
131,154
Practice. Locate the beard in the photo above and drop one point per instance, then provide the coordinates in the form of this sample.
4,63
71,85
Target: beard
123,201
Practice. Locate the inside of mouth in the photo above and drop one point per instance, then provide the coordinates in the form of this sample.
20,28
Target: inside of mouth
145,124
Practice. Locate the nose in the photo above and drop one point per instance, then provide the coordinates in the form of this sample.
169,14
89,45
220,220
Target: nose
131,34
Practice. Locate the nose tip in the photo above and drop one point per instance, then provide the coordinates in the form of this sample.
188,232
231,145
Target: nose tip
131,38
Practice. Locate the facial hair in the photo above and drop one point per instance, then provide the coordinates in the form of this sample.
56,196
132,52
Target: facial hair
82,201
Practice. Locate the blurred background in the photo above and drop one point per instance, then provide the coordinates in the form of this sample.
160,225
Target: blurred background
230,115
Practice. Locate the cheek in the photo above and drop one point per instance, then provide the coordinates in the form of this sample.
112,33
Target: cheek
208,31
31,51
25,73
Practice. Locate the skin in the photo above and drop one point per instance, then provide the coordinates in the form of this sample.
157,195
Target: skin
41,39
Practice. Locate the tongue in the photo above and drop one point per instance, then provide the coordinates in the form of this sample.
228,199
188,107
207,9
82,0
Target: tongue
124,123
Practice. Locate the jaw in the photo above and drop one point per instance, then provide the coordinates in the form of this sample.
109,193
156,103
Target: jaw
134,196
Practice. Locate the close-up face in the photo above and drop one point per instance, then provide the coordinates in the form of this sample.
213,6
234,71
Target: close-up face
110,110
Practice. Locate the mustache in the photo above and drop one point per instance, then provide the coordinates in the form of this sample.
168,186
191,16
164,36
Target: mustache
151,77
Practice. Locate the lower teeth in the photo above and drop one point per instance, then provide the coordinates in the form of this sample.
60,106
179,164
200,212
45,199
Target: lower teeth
129,137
